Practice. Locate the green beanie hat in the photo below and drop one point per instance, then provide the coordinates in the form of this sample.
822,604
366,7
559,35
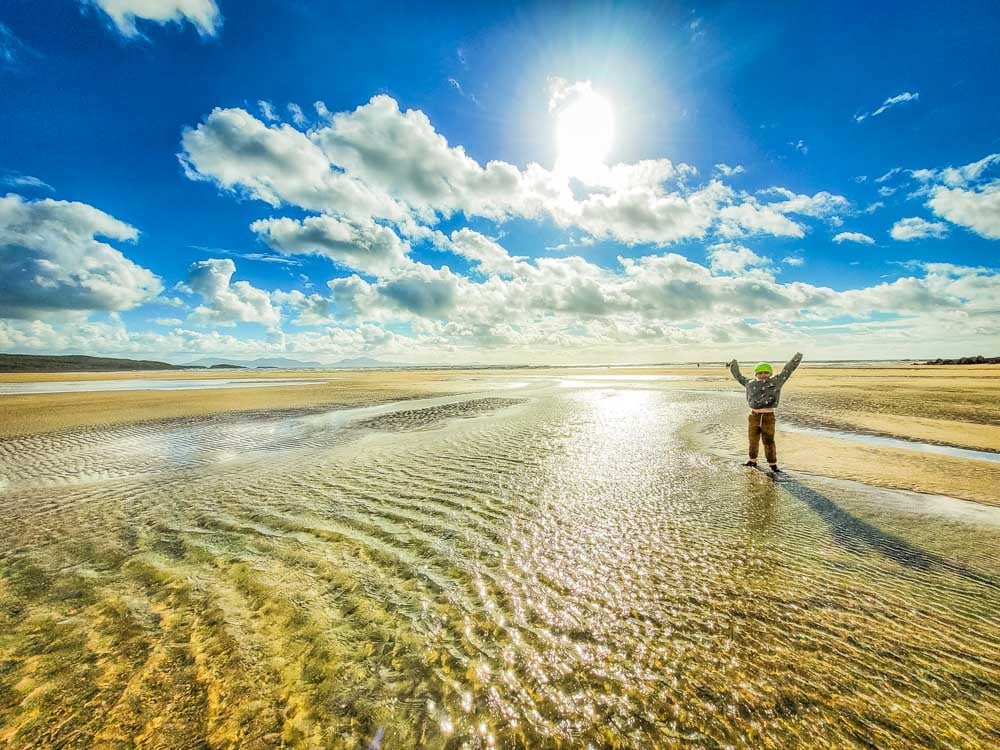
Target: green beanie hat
763,367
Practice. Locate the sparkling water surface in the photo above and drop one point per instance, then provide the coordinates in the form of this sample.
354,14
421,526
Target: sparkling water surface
564,564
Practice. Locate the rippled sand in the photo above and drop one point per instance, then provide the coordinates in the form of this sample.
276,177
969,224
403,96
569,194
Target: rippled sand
554,565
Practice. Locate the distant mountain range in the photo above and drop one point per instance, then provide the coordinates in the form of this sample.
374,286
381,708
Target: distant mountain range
359,363
280,362
284,363
76,363
81,363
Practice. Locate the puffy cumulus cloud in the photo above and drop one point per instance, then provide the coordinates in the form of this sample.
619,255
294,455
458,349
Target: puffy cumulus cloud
571,310
915,228
418,291
422,290
967,195
276,164
944,288
753,218
312,309
204,15
362,245
401,154
860,237
728,257
645,214
822,205
52,262
490,257
978,210
227,302
379,163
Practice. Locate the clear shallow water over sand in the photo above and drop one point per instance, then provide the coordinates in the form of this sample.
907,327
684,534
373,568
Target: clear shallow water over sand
555,565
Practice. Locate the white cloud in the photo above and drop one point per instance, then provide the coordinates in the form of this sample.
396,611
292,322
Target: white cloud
753,218
455,84
400,154
915,228
227,302
791,260
728,257
12,49
822,205
888,175
858,237
267,110
16,180
378,163
361,245
377,179
892,101
800,146
724,170
977,209
51,261
490,257
276,164
204,15
298,116
571,310
257,257
313,309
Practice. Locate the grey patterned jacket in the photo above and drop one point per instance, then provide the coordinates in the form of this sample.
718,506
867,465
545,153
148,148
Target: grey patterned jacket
765,394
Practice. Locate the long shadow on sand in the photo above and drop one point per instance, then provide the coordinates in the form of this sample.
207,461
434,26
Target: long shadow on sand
859,536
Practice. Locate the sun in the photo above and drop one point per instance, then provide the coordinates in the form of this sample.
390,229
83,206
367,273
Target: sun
584,131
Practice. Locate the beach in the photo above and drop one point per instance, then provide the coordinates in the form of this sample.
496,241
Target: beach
500,558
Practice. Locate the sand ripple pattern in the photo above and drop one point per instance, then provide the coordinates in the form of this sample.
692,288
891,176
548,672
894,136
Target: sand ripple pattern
562,571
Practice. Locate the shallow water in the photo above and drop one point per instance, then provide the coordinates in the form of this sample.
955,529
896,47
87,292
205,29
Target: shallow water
556,566
888,442
144,384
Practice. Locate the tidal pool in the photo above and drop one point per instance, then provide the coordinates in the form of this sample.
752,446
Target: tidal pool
563,568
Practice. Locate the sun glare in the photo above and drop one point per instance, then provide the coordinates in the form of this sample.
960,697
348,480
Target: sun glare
584,129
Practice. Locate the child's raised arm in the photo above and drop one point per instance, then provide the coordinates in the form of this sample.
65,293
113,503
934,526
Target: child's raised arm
734,368
788,369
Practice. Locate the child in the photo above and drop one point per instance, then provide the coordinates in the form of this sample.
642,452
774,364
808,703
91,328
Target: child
763,393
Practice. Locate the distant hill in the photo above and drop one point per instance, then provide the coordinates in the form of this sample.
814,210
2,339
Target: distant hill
360,363
76,363
977,360
271,362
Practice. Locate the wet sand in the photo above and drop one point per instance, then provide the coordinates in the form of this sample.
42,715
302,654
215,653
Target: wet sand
498,560
948,405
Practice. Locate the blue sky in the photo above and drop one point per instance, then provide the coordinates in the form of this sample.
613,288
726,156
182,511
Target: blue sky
492,183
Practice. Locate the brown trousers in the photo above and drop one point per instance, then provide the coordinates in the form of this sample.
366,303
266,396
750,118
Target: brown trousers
762,426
